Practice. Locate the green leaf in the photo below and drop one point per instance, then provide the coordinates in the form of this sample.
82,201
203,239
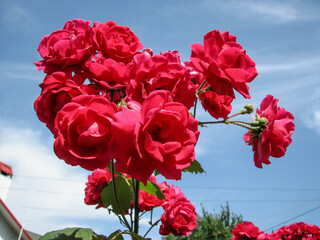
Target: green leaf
153,189
195,167
124,193
156,172
70,234
117,235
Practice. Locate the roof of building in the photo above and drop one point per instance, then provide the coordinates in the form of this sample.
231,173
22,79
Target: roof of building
12,221
5,169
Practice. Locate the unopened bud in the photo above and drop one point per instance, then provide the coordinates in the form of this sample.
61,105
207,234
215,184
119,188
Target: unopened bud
247,109
263,121
255,123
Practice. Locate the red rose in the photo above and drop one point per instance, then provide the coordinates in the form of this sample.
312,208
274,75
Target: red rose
180,218
297,231
224,63
99,179
147,200
218,106
66,47
245,230
83,131
276,137
57,90
165,71
107,73
170,194
163,137
115,41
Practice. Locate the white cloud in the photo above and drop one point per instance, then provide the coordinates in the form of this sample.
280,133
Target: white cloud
272,12
301,64
14,14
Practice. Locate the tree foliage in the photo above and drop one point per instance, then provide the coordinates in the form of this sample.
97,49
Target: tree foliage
213,226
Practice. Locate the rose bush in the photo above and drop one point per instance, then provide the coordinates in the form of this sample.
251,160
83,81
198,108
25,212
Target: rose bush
111,104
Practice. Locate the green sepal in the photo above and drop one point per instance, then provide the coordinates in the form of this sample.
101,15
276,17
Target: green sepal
195,167
70,234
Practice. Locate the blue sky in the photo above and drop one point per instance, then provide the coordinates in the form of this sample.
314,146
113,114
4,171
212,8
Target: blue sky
282,37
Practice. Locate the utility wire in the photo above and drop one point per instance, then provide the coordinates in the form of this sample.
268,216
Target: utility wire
190,187
300,215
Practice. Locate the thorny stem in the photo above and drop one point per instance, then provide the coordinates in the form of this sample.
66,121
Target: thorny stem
116,196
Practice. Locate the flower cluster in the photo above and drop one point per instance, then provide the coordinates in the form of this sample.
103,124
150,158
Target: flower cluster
179,217
296,231
109,101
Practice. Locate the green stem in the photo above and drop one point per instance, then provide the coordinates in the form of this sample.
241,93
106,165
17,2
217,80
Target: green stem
199,89
195,108
236,114
155,224
238,123
116,195
136,208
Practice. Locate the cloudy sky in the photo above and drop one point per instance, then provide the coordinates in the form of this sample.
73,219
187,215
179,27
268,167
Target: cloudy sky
282,37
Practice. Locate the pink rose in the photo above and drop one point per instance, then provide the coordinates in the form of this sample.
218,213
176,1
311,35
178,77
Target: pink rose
274,139
165,71
69,46
163,137
224,63
83,131
107,73
180,218
245,230
115,41
99,179
57,90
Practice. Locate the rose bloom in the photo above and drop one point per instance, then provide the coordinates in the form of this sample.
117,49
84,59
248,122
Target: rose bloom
245,230
83,131
276,137
297,231
99,179
66,47
58,89
115,41
163,137
180,218
164,71
224,63
170,194
147,201
107,73
218,106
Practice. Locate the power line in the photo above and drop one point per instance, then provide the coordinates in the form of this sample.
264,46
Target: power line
300,215
190,187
